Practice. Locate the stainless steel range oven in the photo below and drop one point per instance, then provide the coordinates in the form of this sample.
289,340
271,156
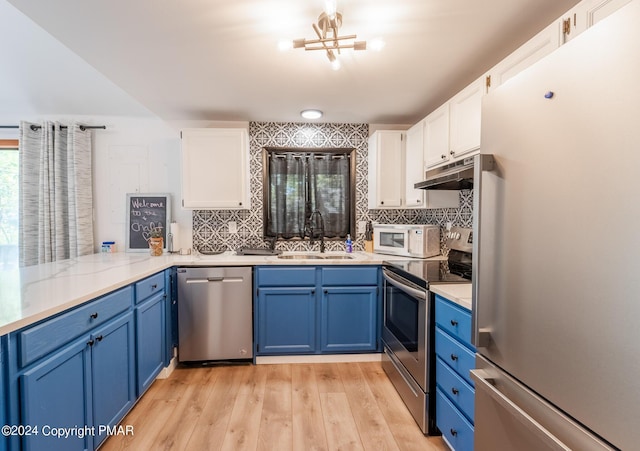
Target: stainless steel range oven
408,327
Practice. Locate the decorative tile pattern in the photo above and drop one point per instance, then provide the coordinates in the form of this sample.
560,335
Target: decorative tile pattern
210,229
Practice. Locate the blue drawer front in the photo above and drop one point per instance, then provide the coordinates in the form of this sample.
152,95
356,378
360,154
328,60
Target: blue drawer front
350,275
454,319
453,425
286,276
456,389
39,340
457,356
149,286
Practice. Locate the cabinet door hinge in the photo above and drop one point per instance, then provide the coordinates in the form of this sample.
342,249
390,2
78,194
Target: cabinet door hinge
487,82
180,134
183,202
566,26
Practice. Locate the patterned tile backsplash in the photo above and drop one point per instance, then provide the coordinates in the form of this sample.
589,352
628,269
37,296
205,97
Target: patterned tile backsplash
210,227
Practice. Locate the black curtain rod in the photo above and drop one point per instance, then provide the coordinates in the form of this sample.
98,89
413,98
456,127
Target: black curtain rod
37,127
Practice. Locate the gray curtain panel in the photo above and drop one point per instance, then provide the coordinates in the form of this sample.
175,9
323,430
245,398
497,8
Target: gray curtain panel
329,192
288,187
56,195
301,183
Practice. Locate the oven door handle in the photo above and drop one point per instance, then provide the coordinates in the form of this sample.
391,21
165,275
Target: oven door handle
398,282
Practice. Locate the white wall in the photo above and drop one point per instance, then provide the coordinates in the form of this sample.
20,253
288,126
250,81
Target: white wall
133,155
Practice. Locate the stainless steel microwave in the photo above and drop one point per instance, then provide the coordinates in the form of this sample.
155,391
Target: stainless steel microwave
407,240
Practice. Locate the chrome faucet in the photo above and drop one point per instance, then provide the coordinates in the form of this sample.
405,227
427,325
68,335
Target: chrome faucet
312,218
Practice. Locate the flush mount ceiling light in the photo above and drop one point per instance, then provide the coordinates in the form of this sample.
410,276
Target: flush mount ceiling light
311,114
329,39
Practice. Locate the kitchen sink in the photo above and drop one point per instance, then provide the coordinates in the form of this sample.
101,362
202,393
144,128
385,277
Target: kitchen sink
299,257
314,257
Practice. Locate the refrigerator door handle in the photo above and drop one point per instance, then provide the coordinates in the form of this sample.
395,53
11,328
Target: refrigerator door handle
483,162
482,380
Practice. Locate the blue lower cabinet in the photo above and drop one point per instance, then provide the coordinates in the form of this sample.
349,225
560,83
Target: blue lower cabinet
453,425
349,319
88,384
286,320
150,340
81,371
112,373
57,394
455,358
317,309
172,313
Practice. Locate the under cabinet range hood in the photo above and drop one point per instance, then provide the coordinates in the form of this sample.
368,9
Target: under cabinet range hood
454,176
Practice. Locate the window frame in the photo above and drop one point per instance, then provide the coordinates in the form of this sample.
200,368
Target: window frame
9,144
266,188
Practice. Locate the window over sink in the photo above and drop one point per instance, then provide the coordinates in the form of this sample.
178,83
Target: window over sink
308,188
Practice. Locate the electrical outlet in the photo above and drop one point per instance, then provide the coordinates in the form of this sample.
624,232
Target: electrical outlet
233,227
362,226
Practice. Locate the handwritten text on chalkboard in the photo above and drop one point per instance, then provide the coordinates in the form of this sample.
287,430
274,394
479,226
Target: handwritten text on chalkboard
146,213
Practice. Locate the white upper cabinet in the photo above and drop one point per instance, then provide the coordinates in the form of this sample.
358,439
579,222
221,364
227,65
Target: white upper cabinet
414,165
464,119
599,9
452,131
586,14
436,137
396,165
215,168
531,51
386,169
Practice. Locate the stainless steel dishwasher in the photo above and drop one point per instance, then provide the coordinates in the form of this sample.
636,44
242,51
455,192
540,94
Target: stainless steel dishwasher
215,314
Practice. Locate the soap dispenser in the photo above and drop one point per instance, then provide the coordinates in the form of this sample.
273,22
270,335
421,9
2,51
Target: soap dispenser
348,244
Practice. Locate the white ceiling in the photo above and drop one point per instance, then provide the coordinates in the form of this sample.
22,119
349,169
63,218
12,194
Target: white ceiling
219,60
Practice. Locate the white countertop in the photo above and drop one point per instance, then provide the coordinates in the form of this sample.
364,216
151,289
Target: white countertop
33,293
460,293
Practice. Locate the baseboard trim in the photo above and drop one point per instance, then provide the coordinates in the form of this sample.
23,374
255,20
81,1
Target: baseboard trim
324,358
167,370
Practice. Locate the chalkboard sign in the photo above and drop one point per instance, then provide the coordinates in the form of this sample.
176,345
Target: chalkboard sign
144,213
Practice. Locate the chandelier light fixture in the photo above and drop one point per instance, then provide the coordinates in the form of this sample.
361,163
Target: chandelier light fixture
329,39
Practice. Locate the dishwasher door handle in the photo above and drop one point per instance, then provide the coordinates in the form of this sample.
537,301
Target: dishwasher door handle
215,279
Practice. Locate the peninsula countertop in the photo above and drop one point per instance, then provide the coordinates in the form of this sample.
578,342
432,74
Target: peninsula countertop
33,293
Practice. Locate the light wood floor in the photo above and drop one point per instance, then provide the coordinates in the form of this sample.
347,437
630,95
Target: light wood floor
319,406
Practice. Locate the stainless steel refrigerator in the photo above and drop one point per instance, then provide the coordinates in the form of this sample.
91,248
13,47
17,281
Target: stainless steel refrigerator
557,253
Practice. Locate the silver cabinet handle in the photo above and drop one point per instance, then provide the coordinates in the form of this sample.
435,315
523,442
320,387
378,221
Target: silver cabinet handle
483,383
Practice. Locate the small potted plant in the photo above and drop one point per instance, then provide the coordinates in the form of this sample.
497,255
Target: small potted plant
156,241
